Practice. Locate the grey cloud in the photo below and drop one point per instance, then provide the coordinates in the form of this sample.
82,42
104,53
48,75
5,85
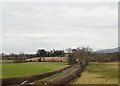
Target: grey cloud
58,25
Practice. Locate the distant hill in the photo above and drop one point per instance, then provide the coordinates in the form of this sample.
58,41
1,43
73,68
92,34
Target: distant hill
113,50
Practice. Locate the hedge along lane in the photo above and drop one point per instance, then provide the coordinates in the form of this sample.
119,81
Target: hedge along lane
63,77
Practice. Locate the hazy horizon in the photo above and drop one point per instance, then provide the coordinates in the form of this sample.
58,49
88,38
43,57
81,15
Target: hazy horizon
28,26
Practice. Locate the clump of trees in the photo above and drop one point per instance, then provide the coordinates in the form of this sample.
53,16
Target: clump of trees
20,59
78,55
41,52
52,53
85,54
71,59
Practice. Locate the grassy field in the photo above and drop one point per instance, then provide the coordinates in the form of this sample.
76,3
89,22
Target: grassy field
26,69
99,73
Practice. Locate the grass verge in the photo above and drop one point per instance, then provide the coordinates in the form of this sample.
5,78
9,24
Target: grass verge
99,73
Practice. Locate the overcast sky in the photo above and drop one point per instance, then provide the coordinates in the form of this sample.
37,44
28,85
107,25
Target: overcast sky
58,25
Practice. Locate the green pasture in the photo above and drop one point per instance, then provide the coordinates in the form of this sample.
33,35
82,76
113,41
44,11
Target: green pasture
27,69
99,73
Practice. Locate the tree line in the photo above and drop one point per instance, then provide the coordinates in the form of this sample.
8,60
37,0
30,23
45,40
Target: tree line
85,54
75,55
78,55
39,53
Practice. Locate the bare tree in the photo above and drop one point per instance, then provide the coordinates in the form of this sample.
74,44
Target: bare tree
20,58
